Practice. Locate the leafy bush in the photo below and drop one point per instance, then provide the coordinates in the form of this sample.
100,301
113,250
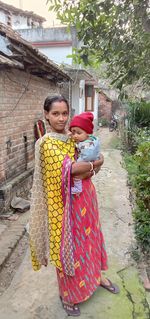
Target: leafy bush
137,124
142,228
131,167
138,166
137,138
138,115
142,179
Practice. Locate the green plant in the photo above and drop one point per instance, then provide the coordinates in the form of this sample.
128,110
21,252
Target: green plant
103,122
131,166
115,142
137,124
142,227
142,179
138,166
135,253
138,115
114,32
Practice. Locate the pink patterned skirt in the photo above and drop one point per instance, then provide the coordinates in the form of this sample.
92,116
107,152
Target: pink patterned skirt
89,248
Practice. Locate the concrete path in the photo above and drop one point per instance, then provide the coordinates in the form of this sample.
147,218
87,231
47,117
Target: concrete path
35,295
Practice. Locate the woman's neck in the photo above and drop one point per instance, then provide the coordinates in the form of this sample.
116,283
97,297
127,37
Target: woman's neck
59,132
59,136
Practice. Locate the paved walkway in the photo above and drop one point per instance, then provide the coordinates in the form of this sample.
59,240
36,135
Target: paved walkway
35,295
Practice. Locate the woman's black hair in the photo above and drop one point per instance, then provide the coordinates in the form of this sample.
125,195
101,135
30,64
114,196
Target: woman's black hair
52,99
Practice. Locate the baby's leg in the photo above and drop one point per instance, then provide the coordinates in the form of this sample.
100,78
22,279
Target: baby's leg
77,188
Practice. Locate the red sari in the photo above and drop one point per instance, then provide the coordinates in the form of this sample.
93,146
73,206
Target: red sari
88,248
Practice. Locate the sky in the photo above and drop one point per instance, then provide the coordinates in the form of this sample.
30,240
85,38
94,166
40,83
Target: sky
37,6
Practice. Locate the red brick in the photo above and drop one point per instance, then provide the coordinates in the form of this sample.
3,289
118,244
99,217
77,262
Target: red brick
20,118
105,107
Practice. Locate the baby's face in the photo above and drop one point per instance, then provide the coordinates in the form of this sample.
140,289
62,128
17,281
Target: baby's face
78,134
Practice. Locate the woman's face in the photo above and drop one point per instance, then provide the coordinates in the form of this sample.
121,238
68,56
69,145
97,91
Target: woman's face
58,116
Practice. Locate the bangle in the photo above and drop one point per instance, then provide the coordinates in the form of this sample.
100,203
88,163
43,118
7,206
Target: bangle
92,168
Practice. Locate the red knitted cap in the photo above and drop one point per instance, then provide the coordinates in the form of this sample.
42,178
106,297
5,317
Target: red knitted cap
84,121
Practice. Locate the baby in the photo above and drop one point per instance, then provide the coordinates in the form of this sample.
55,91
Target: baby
87,145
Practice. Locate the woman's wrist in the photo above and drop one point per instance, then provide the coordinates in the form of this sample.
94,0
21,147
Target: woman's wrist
79,168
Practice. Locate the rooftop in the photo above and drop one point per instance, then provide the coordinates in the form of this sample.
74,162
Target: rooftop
9,8
19,53
77,73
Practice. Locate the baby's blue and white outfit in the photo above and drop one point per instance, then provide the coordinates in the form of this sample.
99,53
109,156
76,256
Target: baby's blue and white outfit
88,151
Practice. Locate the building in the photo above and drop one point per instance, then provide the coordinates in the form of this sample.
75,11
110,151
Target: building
57,42
26,78
105,107
84,91
18,18
59,45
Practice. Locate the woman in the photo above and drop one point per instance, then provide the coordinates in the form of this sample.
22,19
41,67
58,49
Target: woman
65,228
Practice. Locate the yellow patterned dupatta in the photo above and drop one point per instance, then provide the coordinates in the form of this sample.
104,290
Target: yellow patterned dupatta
50,221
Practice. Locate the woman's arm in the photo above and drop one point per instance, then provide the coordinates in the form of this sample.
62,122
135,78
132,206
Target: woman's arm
82,168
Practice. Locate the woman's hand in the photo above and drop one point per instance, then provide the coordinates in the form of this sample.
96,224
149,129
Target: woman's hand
80,168
85,175
98,163
84,168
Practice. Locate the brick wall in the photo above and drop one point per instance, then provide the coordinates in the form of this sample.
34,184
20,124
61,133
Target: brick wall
105,107
21,104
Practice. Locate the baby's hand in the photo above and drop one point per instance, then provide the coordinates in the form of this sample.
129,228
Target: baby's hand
69,133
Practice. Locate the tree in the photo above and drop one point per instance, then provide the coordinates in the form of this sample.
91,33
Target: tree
116,32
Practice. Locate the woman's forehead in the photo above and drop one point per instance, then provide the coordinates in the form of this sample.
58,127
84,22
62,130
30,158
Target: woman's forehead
59,106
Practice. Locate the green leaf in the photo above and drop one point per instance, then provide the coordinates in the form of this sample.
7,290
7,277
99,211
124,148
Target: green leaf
114,32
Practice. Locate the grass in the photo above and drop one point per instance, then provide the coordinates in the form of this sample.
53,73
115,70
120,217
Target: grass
116,143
